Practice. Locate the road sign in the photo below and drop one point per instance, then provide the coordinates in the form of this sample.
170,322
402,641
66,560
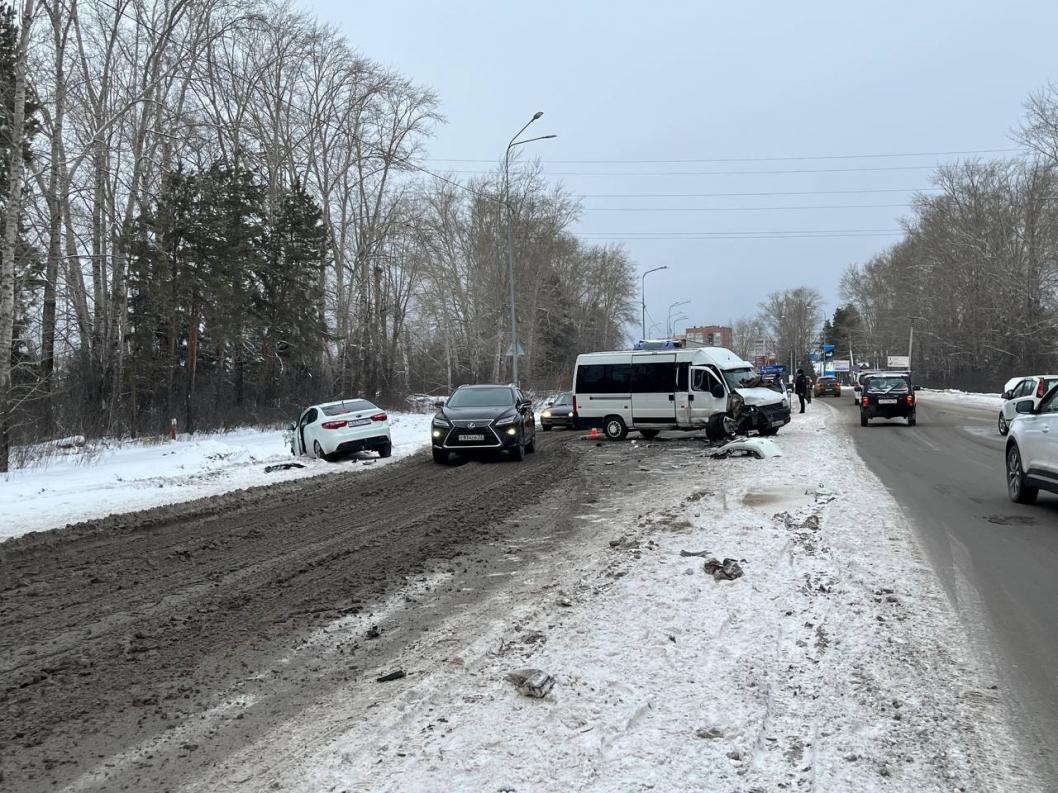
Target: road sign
840,365
775,368
521,350
898,362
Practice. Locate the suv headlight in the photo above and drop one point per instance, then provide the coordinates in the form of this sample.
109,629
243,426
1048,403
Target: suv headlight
440,422
506,421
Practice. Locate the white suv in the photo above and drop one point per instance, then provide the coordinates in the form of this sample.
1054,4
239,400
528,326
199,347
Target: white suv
1029,389
1032,449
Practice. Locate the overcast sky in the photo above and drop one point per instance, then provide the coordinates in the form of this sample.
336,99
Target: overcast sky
632,81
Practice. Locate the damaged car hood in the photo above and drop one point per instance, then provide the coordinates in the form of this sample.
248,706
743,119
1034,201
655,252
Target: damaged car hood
760,396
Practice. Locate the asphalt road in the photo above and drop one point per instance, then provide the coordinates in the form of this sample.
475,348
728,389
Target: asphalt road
997,560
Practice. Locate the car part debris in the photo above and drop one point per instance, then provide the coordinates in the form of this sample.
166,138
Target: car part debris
753,447
709,733
282,467
397,675
694,553
531,682
727,570
373,632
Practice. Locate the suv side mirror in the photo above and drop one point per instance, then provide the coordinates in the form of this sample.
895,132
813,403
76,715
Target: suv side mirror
439,403
292,426
1025,407
1007,394
525,404
717,391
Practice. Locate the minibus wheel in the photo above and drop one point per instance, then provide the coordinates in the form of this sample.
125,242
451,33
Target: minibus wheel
614,428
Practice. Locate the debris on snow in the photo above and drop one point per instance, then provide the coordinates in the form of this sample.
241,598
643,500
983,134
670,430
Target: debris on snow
728,570
397,675
373,632
751,447
694,553
531,682
709,733
282,467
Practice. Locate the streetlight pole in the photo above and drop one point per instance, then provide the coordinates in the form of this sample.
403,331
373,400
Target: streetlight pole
510,236
668,321
643,296
911,340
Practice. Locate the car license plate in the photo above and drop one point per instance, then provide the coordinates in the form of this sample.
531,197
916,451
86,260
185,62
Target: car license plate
887,401
777,423
359,422
472,437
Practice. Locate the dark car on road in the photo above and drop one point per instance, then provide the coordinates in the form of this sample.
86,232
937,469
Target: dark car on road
827,386
482,418
559,413
887,395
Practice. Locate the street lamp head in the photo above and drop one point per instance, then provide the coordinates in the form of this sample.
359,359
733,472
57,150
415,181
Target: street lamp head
546,137
537,114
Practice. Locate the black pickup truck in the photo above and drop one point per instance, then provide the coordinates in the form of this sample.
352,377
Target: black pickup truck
887,395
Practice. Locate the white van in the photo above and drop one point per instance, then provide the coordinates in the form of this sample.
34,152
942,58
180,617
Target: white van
655,390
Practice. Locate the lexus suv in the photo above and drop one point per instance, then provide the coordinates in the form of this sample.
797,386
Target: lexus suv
480,418
1032,449
887,395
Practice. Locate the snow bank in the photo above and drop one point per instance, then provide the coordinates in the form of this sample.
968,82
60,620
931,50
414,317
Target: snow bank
834,664
964,398
103,478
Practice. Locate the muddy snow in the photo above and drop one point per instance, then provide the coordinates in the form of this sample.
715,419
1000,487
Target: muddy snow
833,663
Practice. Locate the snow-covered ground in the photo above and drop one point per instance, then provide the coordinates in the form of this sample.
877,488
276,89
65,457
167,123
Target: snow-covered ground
952,395
834,664
104,478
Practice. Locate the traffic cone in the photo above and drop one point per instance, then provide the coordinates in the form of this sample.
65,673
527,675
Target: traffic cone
594,435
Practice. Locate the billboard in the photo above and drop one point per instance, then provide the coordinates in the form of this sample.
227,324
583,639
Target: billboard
841,365
898,362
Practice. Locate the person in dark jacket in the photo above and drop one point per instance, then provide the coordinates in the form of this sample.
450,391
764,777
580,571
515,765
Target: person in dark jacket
801,387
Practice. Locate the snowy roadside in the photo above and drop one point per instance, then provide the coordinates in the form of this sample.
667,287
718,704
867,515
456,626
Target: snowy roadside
104,479
963,398
834,663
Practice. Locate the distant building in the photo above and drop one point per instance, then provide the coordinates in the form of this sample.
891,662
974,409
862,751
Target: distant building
710,335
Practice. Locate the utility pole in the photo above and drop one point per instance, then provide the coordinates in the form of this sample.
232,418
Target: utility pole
510,237
911,340
643,297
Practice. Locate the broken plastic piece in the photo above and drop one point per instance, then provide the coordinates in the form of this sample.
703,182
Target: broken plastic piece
531,682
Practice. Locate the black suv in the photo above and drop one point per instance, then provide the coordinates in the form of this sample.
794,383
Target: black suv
887,395
479,418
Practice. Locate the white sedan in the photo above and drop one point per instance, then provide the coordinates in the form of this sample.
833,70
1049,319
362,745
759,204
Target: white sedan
335,428
1027,389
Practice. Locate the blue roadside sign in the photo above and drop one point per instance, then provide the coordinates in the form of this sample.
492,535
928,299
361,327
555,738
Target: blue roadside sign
775,368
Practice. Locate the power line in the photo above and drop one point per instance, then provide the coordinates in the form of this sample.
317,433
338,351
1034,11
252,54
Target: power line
742,237
747,231
793,158
743,209
724,173
767,193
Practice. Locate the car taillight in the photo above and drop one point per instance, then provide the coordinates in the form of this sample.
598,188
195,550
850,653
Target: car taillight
910,399
333,425
379,417
866,402
574,403
1041,389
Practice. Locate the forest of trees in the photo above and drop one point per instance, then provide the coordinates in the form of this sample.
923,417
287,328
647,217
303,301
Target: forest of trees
212,210
976,270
